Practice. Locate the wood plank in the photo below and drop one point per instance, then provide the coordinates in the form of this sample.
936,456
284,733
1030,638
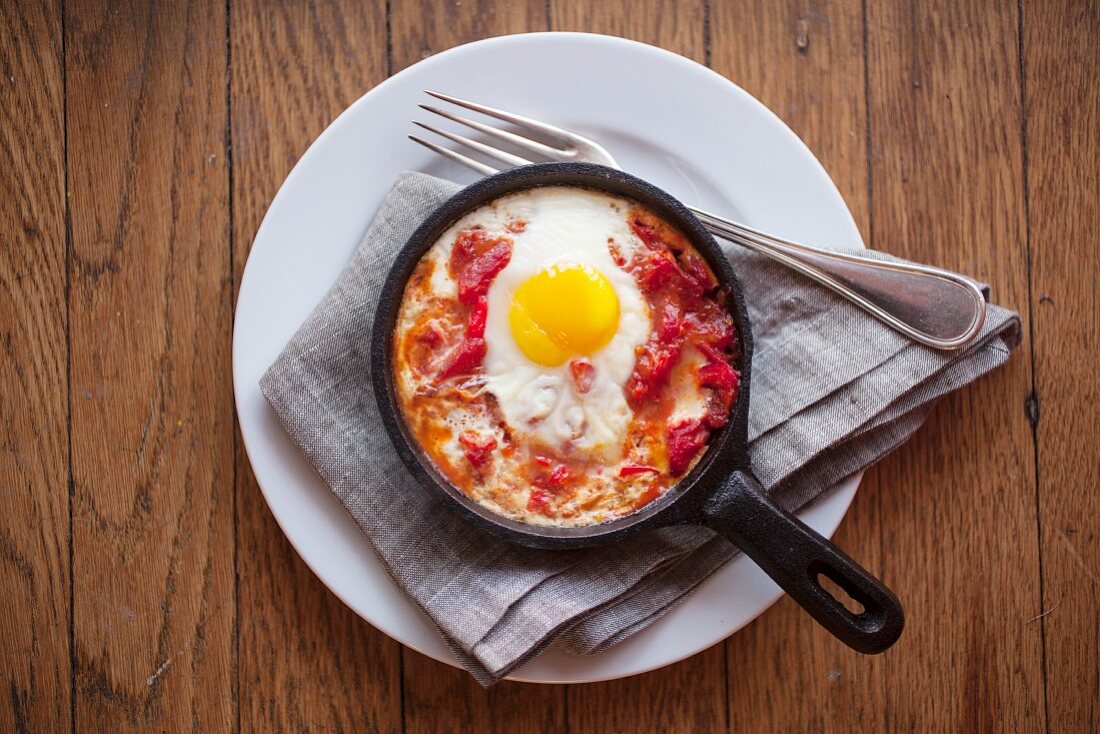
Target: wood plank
688,697
1061,76
674,25
438,697
420,28
152,415
307,662
655,701
957,506
805,61
34,472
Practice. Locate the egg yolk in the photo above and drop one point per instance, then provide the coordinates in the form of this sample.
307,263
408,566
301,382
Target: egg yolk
564,311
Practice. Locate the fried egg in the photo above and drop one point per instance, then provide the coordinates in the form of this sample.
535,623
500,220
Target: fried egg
529,380
561,299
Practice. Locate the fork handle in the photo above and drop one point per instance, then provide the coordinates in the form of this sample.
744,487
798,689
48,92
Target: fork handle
932,306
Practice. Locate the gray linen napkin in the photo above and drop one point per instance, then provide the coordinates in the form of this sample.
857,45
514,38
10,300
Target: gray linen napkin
833,392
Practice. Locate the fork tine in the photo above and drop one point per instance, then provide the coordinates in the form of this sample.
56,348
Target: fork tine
500,155
482,168
559,136
517,140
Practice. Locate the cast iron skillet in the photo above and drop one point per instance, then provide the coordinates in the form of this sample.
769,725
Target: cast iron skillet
720,492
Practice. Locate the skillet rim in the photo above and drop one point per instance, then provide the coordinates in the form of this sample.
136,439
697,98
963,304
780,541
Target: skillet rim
726,449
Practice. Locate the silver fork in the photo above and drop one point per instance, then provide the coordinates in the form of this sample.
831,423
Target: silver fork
932,306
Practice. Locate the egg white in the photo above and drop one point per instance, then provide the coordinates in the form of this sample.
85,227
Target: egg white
564,225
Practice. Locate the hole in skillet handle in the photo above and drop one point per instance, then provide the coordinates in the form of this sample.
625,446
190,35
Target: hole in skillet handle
796,558
837,592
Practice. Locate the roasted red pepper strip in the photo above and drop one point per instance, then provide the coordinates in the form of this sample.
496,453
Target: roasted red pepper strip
631,470
672,322
683,440
479,314
723,380
697,272
468,244
558,475
655,361
584,374
477,276
475,261
711,353
646,234
718,372
547,485
464,358
711,327
658,271
718,409
651,370
658,355
539,501
552,480
478,449
719,375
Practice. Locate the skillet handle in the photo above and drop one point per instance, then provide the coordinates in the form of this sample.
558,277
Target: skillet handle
795,557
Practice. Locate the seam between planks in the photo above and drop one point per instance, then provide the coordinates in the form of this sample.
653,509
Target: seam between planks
70,488
389,39
870,242
1031,406
707,52
235,652
565,711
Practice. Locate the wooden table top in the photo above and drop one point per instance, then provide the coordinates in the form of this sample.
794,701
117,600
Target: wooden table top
146,585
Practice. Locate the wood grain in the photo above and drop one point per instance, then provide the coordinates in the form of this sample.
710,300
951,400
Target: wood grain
306,661
671,24
34,437
957,506
152,419
806,62
420,28
964,134
440,698
1061,61
688,697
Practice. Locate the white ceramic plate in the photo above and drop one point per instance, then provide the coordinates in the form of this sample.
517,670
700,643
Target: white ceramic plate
666,119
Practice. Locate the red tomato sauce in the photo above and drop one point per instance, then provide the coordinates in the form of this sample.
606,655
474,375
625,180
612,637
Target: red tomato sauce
689,314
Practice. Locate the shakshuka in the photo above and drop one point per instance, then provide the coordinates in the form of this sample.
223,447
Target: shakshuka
562,355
